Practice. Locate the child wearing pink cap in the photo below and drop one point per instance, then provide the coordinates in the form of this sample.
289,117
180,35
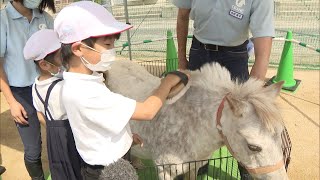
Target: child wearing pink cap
98,117
64,160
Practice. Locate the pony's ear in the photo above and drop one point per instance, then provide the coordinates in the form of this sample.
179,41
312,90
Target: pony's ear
273,90
235,105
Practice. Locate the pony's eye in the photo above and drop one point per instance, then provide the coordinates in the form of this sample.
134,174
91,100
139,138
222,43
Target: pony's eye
254,148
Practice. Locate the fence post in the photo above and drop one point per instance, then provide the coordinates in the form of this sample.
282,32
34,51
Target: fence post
128,31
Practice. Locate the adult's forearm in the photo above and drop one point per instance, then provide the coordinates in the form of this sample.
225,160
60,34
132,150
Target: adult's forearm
4,85
262,47
182,31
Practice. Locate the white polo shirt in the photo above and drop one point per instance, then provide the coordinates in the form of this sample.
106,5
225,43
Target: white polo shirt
56,107
98,117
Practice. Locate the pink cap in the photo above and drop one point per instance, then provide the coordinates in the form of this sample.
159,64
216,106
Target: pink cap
40,44
84,19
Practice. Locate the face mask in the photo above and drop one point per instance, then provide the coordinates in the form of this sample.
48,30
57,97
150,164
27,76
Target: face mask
107,58
31,4
58,74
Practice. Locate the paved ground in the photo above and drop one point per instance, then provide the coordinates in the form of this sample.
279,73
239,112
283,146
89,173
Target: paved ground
300,111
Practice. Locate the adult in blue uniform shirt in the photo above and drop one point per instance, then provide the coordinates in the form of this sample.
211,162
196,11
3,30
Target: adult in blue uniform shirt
19,20
221,33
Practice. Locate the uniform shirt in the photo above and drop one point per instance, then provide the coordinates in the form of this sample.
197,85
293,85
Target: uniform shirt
98,117
55,106
227,22
15,31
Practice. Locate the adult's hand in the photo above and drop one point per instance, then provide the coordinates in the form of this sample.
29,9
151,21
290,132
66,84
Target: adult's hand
18,113
183,63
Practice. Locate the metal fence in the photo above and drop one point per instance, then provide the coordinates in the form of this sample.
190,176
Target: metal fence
225,167
152,18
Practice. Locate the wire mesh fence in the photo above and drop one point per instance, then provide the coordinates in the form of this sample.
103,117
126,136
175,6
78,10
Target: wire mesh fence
224,167
152,18
220,166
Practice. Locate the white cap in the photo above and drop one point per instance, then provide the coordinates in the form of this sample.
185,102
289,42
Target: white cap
84,19
40,44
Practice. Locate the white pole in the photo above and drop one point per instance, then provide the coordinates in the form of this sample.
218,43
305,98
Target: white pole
128,31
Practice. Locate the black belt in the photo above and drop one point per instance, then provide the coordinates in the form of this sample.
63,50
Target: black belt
25,87
213,47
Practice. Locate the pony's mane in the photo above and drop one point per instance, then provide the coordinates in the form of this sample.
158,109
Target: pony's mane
217,79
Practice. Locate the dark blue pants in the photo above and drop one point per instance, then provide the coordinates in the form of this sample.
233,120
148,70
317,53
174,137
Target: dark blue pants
235,60
30,134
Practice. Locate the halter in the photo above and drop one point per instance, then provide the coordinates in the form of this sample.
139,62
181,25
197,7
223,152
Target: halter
257,170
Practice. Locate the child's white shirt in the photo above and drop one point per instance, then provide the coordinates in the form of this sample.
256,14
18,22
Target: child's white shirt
99,118
55,106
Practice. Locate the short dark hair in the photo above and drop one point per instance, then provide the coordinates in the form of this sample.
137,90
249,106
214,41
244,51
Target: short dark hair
66,52
117,36
47,4
43,5
49,58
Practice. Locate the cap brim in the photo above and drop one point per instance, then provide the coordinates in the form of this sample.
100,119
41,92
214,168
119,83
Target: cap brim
118,27
47,53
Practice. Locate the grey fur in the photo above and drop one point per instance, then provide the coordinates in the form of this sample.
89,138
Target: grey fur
119,170
186,130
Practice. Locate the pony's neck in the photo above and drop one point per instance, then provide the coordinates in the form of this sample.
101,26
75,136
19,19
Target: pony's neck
203,121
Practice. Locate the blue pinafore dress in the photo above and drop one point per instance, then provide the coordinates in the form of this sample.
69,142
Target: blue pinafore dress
64,159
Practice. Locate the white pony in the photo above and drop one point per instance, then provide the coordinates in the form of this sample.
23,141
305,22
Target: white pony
213,112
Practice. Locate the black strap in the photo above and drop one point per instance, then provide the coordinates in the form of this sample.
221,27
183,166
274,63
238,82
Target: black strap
45,102
184,78
39,96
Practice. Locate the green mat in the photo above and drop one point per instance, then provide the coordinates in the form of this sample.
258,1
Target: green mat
149,172
221,166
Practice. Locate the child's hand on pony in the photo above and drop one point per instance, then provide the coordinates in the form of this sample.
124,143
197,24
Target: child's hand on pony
137,140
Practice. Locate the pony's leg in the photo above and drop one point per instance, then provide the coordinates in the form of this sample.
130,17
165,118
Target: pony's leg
136,162
190,175
188,171
164,176
167,172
